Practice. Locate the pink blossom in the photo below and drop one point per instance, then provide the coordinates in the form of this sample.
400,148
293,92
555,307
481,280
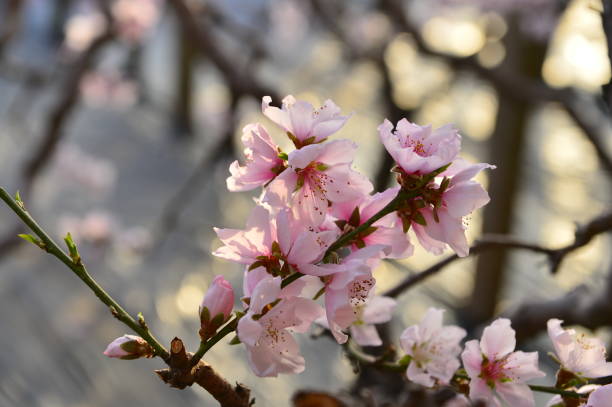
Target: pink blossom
303,123
128,347
262,160
266,329
386,231
135,17
496,372
434,349
417,149
347,289
316,175
219,299
78,166
376,310
602,397
443,216
579,354
278,243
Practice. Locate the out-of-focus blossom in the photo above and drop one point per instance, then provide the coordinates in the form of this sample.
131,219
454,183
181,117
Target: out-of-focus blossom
536,18
417,149
128,347
136,239
262,160
303,123
279,243
80,167
316,175
108,89
434,349
579,354
95,227
496,372
352,214
135,18
82,28
266,329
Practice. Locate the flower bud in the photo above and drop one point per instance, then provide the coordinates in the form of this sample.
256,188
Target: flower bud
216,306
128,347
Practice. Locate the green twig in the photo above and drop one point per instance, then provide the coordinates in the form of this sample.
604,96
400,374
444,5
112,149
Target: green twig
74,263
206,345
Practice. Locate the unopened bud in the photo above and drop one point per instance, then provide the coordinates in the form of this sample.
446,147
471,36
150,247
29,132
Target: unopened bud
216,307
129,347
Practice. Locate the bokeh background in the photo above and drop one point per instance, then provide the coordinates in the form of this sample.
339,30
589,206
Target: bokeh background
119,118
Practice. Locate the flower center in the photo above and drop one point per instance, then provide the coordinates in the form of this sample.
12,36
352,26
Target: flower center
493,371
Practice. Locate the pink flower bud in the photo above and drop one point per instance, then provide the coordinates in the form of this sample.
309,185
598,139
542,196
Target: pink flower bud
128,347
217,305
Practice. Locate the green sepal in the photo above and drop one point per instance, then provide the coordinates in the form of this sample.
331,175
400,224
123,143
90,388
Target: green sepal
204,316
130,357
405,361
341,223
235,340
218,320
309,140
405,224
294,139
418,218
283,156
319,294
132,347
299,183
435,214
256,265
321,167
360,243
444,184
276,249
355,219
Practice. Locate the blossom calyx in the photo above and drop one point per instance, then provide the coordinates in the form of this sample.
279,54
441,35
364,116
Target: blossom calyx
129,347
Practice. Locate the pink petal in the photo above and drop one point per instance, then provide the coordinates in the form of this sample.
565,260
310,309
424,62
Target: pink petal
498,339
365,335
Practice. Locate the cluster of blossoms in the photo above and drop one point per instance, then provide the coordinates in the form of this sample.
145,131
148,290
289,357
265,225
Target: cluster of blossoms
318,231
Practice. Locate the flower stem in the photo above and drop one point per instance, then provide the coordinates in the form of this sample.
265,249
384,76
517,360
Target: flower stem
79,269
206,345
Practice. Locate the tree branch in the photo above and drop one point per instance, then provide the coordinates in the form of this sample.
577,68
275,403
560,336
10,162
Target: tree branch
583,236
180,373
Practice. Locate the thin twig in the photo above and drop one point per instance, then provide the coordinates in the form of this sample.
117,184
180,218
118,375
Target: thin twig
583,236
180,374
79,269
